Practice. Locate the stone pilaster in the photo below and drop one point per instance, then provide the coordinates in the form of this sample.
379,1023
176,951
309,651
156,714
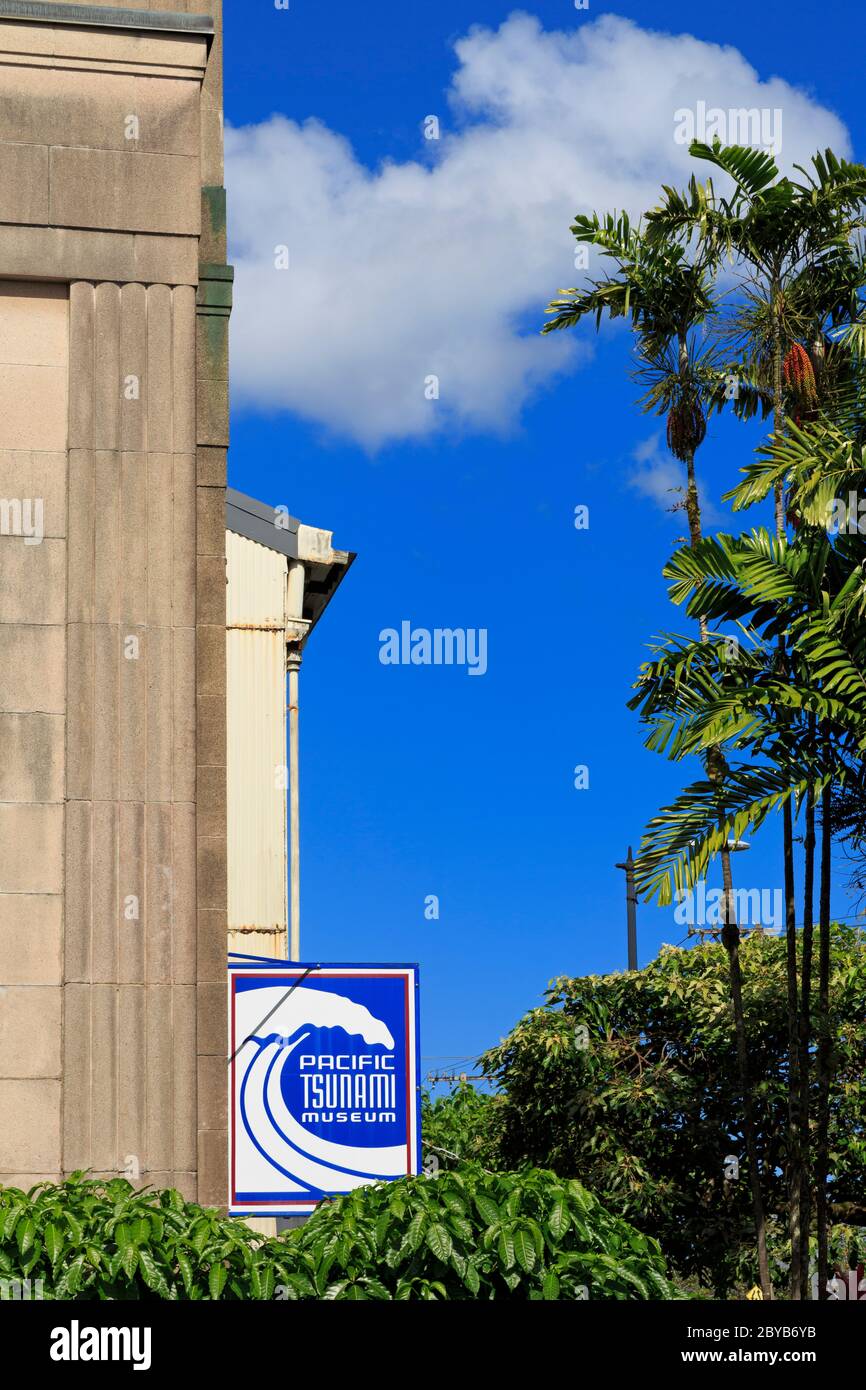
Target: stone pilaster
212,317
130,932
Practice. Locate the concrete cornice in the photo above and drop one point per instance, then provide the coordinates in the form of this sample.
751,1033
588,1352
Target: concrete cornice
105,17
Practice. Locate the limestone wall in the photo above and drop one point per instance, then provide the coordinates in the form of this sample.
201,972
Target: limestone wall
114,302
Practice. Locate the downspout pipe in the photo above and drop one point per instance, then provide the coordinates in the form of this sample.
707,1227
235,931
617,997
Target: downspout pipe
294,653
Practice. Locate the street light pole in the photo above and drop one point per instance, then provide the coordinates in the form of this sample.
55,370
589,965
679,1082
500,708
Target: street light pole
631,908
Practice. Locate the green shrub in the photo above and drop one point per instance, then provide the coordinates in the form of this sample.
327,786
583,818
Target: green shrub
459,1126
629,1082
470,1234
460,1235
104,1240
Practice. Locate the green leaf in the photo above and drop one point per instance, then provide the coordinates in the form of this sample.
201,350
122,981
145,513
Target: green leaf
461,1226
185,1266
13,1216
76,1230
25,1234
199,1233
505,1247
414,1232
53,1242
151,1272
377,1289
129,1260
558,1221
487,1209
122,1235
439,1241
141,1231
524,1249
71,1280
268,1278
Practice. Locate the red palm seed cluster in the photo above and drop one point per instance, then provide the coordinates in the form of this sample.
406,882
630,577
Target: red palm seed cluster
799,376
686,429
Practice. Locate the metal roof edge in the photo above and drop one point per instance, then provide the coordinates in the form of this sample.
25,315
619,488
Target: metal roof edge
255,520
243,503
106,17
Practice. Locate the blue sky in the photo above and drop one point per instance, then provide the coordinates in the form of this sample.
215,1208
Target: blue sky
424,780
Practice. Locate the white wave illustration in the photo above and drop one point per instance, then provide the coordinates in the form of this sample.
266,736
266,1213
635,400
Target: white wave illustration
306,1157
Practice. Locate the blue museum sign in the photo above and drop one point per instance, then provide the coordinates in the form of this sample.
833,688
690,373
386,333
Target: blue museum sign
324,1083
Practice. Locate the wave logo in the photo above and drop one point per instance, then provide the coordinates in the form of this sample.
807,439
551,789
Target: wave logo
322,1099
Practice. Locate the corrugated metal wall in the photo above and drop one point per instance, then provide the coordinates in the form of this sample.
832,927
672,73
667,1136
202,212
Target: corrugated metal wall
257,755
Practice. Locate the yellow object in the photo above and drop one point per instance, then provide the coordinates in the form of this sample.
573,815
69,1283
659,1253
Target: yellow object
257,755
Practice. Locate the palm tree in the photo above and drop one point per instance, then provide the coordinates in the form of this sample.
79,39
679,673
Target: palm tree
823,462
673,690
668,295
693,698
800,274
791,242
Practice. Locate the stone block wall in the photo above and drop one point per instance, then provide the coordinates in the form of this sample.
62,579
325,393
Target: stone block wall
114,412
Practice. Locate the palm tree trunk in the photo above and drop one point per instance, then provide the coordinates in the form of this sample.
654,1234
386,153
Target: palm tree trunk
805,1029
693,503
731,942
822,1145
795,1164
795,1161
778,405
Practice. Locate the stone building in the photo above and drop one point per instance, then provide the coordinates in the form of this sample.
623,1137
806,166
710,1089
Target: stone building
114,304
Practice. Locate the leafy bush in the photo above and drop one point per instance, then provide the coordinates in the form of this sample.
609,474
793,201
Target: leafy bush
472,1234
628,1082
104,1240
461,1235
458,1126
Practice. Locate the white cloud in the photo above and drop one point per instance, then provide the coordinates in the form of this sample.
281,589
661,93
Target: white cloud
662,479
658,476
444,265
